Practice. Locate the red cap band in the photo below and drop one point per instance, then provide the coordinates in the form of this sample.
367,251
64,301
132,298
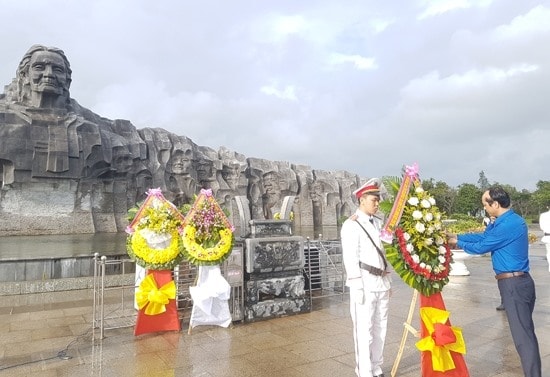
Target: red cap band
367,189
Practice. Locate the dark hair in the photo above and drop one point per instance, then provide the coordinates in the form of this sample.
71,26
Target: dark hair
499,195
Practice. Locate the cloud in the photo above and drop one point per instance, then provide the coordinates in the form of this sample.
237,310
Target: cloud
457,86
359,62
434,8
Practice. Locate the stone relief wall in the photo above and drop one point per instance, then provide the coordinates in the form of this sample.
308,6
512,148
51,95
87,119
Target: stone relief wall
64,169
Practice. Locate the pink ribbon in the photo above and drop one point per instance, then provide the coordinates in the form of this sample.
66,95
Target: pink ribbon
206,192
154,192
386,236
412,171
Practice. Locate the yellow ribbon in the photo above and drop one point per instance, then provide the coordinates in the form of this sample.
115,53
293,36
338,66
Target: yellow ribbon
435,321
155,299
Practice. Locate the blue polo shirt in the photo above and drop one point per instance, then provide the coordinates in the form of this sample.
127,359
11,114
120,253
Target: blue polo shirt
506,239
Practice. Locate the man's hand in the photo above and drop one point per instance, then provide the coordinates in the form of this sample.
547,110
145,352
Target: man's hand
451,239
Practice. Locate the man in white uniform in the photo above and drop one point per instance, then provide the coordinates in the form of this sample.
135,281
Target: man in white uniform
544,223
368,280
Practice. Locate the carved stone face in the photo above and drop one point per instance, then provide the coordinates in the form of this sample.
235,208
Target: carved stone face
47,73
230,174
122,160
181,162
271,187
204,169
316,192
271,183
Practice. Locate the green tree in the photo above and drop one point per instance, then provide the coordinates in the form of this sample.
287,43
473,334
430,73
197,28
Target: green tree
483,182
468,200
443,194
541,197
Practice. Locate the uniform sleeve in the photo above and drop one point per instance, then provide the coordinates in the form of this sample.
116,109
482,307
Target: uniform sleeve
350,253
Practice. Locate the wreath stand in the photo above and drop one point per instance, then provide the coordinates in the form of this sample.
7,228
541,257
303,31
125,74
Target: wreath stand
434,301
210,299
407,328
165,321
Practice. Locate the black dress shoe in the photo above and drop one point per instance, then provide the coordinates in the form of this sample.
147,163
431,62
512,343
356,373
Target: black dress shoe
380,375
500,307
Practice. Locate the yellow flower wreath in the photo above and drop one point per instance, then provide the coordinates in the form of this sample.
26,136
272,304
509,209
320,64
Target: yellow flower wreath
197,253
157,257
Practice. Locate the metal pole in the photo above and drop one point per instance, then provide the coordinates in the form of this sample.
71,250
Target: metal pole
102,299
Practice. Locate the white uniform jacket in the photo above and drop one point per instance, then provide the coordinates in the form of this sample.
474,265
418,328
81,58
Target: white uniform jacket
356,247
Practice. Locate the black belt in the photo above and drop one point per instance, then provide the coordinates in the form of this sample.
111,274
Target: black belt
371,269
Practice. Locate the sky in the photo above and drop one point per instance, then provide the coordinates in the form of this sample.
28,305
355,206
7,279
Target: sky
365,86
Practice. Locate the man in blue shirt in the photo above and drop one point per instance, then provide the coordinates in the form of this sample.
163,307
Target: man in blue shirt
507,240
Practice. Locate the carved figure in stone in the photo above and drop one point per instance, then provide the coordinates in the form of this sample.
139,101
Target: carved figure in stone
268,183
303,212
325,197
232,182
99,167
207,166
181,178
43,79
233,171
348,183
255,191
272,193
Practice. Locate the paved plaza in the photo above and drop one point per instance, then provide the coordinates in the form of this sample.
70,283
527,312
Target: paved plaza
51,334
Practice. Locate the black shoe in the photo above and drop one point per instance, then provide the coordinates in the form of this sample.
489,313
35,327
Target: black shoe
380,375
500,307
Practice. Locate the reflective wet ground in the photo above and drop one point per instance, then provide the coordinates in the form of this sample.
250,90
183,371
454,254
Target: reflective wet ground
50,334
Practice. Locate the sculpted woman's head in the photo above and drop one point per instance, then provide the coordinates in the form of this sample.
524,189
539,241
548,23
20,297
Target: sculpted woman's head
43,72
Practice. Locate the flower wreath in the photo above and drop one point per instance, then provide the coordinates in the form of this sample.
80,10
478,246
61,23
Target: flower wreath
207,234
153,238
419,254
155,258
198,254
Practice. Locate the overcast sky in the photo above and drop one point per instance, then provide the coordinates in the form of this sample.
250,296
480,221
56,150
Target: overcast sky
457,86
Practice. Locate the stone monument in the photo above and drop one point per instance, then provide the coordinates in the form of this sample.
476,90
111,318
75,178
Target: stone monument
67,170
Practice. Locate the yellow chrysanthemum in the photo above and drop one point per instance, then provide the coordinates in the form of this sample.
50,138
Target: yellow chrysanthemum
199,254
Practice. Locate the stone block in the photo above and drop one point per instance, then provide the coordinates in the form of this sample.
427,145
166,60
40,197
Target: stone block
273,254
270,228
275,287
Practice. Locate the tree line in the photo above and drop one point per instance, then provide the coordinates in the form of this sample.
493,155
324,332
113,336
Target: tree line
466,198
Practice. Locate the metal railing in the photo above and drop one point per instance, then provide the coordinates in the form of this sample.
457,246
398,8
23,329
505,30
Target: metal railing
114,303
324,269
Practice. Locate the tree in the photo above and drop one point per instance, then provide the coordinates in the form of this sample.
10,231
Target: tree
468,200
443,194
483,182
541,197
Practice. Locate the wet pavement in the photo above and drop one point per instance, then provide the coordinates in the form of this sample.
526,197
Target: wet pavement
52,334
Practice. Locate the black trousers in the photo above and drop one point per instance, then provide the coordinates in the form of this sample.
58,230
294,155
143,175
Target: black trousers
518,295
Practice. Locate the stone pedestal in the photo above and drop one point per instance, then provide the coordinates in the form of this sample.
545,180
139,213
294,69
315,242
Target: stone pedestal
458,267
274,284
